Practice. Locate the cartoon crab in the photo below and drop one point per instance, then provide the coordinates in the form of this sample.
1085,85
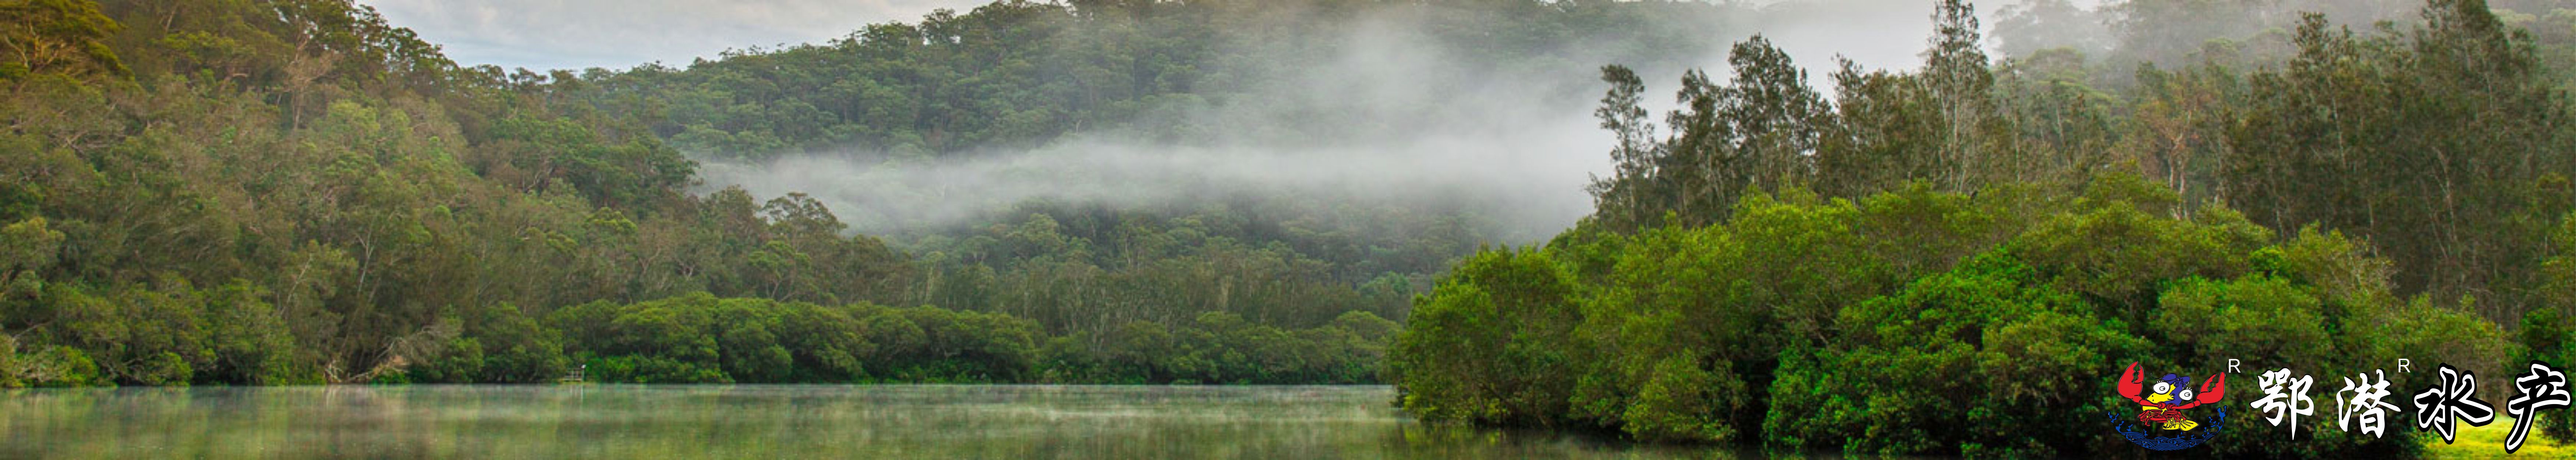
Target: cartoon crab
2163,404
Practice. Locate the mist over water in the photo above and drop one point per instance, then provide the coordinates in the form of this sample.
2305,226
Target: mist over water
758,421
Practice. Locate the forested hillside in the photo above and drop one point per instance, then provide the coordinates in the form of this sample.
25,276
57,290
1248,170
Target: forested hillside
282,192
912,119
272,192
1958,259
1020,74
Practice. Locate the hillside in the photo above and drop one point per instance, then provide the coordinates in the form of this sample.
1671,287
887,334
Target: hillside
233,192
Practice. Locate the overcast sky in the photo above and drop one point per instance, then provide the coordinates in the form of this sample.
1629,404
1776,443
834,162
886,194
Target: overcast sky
548,34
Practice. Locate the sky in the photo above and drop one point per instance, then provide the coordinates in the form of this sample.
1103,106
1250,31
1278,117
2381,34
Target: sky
618,34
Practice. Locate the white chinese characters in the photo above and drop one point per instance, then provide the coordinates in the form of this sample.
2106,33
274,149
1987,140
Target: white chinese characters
2285,397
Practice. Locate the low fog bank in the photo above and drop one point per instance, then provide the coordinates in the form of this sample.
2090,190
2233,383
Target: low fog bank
1392,117
1525,184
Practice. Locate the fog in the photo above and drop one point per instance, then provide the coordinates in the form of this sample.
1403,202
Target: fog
1393,119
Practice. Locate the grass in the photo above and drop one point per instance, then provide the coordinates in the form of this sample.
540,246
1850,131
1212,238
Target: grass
2488,442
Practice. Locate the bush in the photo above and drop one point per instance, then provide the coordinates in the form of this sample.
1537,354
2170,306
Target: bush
1987,359
1491,343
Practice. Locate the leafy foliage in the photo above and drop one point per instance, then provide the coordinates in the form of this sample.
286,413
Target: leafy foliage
700,338
1968,266
1812,323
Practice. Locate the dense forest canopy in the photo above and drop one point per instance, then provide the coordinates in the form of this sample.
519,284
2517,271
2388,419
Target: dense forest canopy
1950,260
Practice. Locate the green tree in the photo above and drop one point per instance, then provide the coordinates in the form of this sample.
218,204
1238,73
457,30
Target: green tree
56,36
2429,144
1492,344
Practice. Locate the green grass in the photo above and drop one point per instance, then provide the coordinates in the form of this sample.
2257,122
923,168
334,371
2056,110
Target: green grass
2488,442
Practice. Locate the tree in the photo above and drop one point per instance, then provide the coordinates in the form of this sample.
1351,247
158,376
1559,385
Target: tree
1491,345
1956,75
1621,199
2432,145
56,36
1759,134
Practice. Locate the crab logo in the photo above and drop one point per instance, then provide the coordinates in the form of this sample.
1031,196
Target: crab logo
2160,423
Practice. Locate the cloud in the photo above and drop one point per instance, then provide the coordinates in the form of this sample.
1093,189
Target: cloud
547,34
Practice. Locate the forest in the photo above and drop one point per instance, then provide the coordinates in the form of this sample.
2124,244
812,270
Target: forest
235,192
1956,260
240,192
1943,260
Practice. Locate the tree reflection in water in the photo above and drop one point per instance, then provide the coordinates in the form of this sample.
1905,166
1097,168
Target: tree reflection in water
760,421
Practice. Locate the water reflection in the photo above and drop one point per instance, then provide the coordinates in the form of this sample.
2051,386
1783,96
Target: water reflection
762,421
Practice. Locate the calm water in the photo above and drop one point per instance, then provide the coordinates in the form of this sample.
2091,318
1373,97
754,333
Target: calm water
755,421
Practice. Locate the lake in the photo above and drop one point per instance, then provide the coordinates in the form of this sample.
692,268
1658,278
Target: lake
758,421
